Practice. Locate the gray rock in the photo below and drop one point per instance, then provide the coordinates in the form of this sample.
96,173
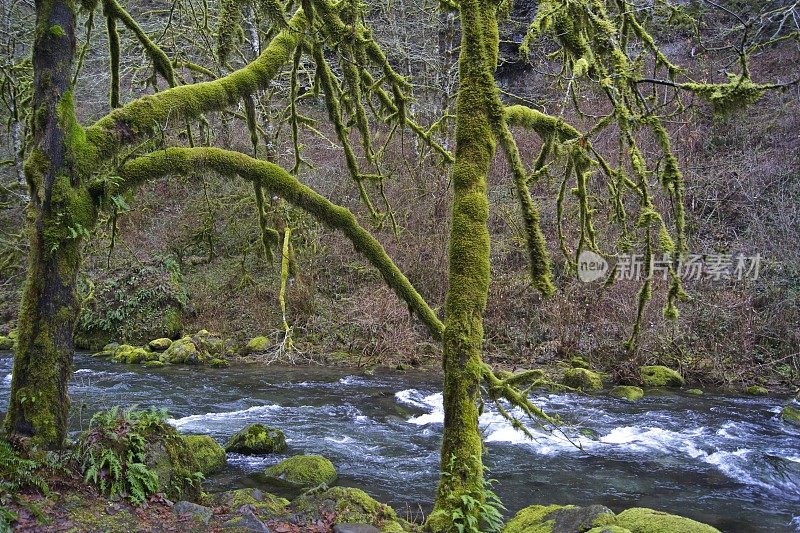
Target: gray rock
196,512
355,528
247,521
577,518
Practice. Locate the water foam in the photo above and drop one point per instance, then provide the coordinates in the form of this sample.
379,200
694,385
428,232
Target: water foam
197,420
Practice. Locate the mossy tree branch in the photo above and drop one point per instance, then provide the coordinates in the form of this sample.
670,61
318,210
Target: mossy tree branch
278,181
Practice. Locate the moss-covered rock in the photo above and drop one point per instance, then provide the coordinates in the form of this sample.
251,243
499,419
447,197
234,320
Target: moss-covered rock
256,439
694,392
265,505
302,471
6,343
208,342
559,519
609,529
159,345
132,355
208,455
791,415
350,505
643,520
626,392
219,363
144,438
256,345
660,376
583,378
184,352
578,362
756,390
155,363
91,514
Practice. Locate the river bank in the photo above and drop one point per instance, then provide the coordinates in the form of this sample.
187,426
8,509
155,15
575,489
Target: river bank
725,460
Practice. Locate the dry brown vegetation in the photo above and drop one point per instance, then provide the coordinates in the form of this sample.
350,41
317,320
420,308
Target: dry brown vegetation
743,196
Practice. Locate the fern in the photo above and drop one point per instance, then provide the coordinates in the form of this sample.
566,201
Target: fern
114,448
17,473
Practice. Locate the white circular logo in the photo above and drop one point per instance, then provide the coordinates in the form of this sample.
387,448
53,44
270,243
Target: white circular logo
591,266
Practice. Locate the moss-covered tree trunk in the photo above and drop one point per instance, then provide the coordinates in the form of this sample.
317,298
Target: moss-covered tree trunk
462,467
59,213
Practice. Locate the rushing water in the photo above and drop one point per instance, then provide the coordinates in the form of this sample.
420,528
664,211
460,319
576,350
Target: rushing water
728,461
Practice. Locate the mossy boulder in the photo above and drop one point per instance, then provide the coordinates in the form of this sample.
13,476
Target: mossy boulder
256,439
266,505
159,345
578,362
219,363
791,415
609,529
256,345
756,390
145,438
132,355
643,520
559,519
200,348
84,513
208,342
660,376
6,343
352,506
626,392
302,471
184,352
694,392
583,378
208,455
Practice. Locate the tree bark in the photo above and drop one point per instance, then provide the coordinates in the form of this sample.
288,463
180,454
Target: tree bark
461,463
60,209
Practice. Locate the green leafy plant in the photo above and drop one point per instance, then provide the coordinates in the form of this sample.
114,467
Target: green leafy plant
477,512
17,473
113,452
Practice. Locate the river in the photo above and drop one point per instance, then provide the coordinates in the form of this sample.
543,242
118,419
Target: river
725,460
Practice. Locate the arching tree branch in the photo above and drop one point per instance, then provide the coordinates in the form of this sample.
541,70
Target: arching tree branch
279,182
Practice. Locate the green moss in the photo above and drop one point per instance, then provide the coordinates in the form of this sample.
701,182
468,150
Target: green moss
302,471
609,529
694,392
159,345
218,363
154,364
264,504
279,182
257,439
578,362
791,414
582,378
6,343
350,505
552,518
208,456
643,520
257,345
626,392
660,376
184,351
57,31
756,390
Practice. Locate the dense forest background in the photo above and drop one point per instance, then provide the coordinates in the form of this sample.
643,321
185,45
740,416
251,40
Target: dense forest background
186,253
